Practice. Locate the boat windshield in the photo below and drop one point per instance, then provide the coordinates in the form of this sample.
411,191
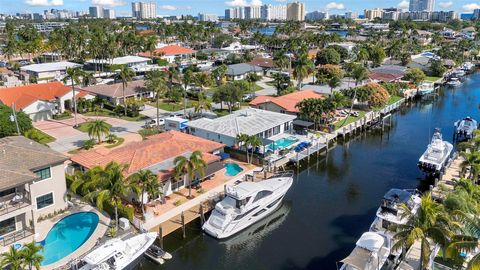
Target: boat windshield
238,203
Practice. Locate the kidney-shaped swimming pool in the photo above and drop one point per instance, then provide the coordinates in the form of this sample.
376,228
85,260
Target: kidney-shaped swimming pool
68,235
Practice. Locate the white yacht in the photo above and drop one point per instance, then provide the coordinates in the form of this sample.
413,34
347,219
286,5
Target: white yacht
426,88
118,254
391,210
454,82
466,127
246,203
459,72
371,253
437,154
468,66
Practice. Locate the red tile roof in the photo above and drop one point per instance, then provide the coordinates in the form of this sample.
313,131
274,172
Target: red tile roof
262,62
289,101
169,50
154,150
25,95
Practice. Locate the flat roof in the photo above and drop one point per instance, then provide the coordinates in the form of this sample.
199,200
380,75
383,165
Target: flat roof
246,121
50,66
129,59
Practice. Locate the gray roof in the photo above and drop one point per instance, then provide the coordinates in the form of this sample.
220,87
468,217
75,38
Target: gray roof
20,157
115,90
391,69
240,69
246,121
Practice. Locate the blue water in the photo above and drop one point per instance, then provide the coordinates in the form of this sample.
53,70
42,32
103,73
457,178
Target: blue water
68,235
282,143
269,31
232,169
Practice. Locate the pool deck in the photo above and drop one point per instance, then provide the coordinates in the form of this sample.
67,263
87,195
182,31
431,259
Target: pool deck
45,226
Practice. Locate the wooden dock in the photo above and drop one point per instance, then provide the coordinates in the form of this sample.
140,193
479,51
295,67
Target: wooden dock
446,183
305,154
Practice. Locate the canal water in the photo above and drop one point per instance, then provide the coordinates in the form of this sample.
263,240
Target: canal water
334,198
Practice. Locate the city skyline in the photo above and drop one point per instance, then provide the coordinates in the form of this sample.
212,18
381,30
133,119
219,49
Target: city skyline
178,7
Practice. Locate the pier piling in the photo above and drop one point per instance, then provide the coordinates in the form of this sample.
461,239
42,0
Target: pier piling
160,235
183,225
202,215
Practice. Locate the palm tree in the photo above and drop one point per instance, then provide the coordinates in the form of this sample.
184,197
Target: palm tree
203,103
254,142
190,166
156,83
303,67
242,140
12,258
188,77
73,75
97,128
145,181
125,75
31,257
219,73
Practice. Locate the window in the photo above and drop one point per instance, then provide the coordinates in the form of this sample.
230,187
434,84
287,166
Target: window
177,184
262,194
7,192
7,226
44,173
44,200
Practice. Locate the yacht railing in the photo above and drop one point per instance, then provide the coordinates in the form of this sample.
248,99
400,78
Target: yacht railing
287,174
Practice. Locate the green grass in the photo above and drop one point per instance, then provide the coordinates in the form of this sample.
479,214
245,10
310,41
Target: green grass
392,100
39,136
221,113
270,83
119,141
74,151
83,127
432,78
350,119
108,113
173,107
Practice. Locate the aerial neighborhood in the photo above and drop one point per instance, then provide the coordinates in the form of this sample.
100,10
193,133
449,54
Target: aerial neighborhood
130,140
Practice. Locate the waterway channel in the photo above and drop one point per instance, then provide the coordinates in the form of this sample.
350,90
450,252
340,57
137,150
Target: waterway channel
334,198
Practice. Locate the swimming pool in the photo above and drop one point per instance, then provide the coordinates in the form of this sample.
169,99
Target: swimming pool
282,143
232,169
68,235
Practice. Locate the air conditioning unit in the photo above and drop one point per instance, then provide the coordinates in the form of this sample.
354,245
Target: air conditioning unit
124,224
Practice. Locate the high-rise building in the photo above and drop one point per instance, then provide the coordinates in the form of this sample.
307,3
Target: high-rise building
235,13
476,14
296,11
207,17
371,14
144,10
351,15
421,5
108,13
95,12
317,15
252,12
273,13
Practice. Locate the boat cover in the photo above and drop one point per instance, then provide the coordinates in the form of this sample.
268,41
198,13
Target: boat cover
371,241
359,258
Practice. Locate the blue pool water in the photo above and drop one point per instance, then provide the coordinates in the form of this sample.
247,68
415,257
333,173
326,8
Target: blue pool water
67,235
282,143
232,169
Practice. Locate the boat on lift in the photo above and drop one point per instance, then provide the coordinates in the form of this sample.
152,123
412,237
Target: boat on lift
454,82
371,252
426,88
437,155
466,128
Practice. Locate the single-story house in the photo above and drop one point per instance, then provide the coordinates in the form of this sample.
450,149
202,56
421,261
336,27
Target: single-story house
346,45
114,92
387,73
262,123
237,47
284,104
265,63
469,32
240,71
129,61
170,53
40,101
49,71
156,154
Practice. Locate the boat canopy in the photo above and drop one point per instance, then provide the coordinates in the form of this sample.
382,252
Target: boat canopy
397,195
104,252
371,241
360,258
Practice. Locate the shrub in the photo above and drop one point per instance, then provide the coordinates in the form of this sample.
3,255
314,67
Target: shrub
88,144
123,211
178,202
112,232
201,191
146,132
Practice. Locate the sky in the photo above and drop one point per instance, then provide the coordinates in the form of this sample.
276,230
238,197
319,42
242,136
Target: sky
178,7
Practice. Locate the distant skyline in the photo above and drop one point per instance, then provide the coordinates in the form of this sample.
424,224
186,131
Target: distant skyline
193,7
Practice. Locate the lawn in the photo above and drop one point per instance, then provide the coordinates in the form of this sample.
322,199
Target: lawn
173,107
83,127
39,136
108,113
118,142
350,119
432,78
392,100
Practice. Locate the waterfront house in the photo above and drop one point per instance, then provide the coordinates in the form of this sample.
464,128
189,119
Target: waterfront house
266,125
40,101
49,71
264,63
129,61
387,73
156,154
114,92
32,186
284,104
240,71
171,53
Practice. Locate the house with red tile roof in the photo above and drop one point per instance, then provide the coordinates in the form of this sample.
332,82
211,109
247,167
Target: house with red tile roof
170,52
156,154
284,104
40,101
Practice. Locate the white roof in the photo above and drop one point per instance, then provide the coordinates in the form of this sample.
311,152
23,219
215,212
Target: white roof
55,66
371,241
129,59
246,121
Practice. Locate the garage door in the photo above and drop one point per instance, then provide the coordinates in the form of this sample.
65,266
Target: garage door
41,116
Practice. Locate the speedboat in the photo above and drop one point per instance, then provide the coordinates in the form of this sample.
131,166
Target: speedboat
118,254
468,66
157,254
426,88
371,253
454,82
437,155
391,210
458,73
466,127
246,203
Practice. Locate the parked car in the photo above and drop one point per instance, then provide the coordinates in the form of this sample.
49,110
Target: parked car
153,122
176,115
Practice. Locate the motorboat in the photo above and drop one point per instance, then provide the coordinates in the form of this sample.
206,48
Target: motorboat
391,211
157,254
466,128
246,203
437,155
468,66
426,88
454,82
459,73
117,254
370,253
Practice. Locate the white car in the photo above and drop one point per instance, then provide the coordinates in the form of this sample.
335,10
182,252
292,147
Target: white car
153,122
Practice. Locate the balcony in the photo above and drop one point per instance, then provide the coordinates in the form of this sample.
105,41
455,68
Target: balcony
15,237
14,202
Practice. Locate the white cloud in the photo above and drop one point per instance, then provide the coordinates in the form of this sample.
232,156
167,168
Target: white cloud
236,3
108,3
173,8
471,7
445,4
335,5
404,4
256,3
44,2
281,1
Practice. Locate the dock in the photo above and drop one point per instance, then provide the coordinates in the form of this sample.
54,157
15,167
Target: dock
446,183
305,154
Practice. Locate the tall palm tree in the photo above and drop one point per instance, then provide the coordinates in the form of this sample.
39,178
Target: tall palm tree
31,255
144,181
190,166
125,75
188,78
97,128
73,75
242,140
12,258
219,73
156,82
254,142
302,68
203,103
